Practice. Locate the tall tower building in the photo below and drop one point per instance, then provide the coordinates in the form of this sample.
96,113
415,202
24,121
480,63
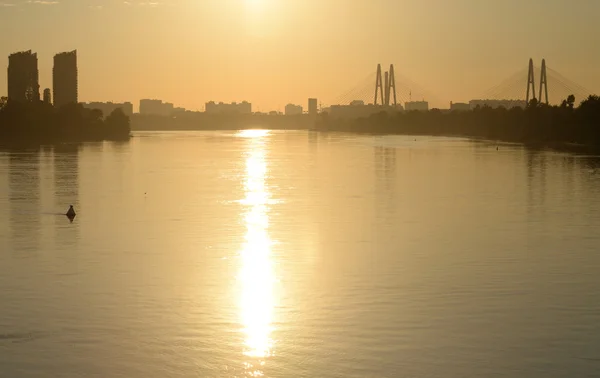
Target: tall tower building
64,78
23,77
47,96
312,106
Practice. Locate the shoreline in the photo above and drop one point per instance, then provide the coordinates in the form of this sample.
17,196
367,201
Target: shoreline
566,147
533,145
6,143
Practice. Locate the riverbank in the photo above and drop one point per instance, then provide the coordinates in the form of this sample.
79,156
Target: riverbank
40,123
534,145
538,126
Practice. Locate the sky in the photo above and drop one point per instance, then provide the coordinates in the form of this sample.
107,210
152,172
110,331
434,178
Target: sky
274,52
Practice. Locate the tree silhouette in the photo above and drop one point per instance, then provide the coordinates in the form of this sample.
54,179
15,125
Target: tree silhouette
117,123
42,123
538,124
533,103
571,101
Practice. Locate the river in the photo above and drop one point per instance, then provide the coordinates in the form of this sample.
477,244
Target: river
299,254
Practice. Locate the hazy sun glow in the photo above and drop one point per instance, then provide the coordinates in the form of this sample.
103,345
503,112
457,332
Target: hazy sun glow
255,5
256,272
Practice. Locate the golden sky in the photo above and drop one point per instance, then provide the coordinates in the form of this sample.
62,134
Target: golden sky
273,52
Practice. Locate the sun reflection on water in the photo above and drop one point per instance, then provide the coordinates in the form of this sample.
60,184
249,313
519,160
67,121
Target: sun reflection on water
256,271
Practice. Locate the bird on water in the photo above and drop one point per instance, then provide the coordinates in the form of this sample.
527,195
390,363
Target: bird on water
71,212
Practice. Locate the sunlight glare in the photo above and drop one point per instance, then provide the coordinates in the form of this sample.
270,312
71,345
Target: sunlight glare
253,133
256,272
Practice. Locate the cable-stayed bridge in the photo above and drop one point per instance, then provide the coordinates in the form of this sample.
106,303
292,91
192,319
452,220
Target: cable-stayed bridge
544,79
405,90
517,85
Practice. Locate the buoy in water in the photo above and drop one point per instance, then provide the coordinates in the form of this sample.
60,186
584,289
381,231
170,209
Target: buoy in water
71,212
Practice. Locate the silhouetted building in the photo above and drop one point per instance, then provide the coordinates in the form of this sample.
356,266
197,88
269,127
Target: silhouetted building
108,107
155,107
233,108
508,104
358,109
460,106
416,105
47,96
64,78
168,108
178,110
23,77
312,106
291,109
151,107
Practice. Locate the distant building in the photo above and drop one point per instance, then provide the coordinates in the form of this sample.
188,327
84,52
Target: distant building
178,111
156,107
416,105
23,77
47,96
494,104
358,109
312,106
108,107
233,108
151,107
460,106
291,109
64,78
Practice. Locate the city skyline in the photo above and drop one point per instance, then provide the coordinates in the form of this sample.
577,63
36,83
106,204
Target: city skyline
24,86
271,53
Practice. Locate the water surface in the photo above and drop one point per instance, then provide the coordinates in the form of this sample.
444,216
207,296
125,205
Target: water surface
298,254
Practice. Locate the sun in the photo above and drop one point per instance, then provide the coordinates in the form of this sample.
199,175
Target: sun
253,3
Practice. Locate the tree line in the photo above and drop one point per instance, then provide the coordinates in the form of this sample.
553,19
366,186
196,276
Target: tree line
43,123
536,124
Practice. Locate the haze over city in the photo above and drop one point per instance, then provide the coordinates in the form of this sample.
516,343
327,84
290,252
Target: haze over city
274,52
299,188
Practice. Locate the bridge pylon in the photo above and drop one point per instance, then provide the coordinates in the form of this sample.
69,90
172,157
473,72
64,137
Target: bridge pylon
384,87
544,82
392,84
378,85
530,82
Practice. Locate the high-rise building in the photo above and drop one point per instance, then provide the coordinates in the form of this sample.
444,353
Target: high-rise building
243,107
291,109
156,107
151,107
64,78
47,96
23,77
312,106
168,108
